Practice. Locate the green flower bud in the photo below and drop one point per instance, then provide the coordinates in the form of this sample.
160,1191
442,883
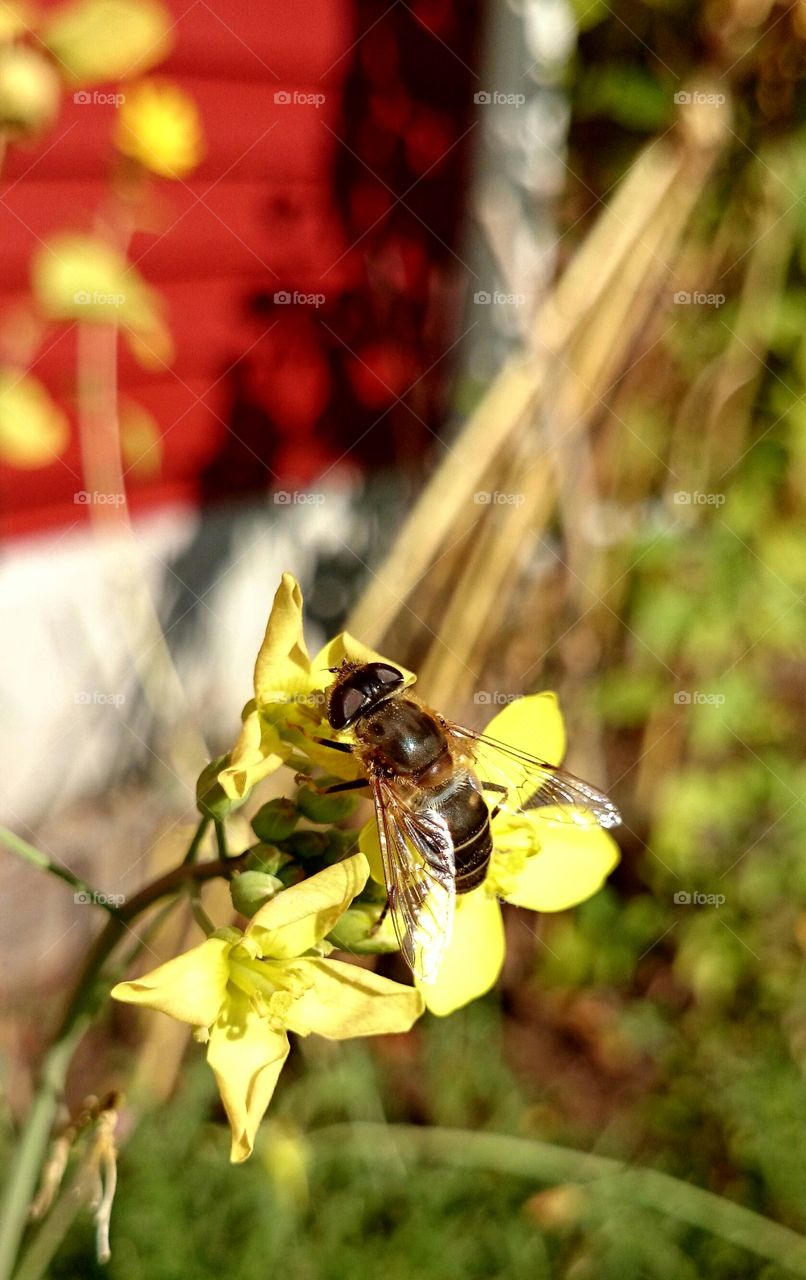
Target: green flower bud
266,858
325,809
211,800
354,932
251,889
275,821
308,844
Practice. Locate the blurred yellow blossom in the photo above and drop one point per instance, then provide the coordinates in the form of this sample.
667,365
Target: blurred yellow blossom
159,126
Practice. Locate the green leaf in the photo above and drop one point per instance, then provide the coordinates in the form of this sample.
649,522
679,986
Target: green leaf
626,93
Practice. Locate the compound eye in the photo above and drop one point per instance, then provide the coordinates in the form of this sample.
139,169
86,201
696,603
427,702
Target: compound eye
387,675
352,702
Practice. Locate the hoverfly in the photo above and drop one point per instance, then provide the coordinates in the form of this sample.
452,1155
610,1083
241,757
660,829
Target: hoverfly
436,787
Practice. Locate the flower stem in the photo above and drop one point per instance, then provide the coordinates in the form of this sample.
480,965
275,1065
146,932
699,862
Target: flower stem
543,1162
33,1141
195,844
43,863
221,839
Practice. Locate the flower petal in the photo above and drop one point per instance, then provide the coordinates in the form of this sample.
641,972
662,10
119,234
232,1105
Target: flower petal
533,724
344,646
573,863
247,1057
299,917
191,987
370,845
339,764
256,754
283,665
346,1001
474,957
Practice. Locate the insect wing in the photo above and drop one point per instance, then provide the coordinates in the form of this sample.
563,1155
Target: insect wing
418,864
518,782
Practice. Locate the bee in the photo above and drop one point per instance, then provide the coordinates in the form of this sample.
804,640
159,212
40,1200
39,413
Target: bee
436,787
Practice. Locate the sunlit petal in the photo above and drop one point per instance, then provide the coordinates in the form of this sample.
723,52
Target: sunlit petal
283,665
247,1056
370,846
474,958
573,863
191,987
346,1001
533,724
344,646
256,754
299,917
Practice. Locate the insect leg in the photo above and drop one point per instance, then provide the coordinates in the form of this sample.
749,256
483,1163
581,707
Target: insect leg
334,746
386,908
353,785
503,791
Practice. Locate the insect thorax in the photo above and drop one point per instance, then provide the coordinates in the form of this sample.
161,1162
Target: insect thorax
400,737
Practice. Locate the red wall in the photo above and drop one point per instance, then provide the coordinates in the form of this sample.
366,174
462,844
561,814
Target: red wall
299,197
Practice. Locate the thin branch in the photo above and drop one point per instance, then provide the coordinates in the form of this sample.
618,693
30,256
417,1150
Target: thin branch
43,863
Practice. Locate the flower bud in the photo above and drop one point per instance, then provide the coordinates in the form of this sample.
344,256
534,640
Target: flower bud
357,931
211,800
267,858
323,808
251,889
275,821
308,844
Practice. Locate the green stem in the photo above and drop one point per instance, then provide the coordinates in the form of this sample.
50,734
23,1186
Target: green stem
542,1162
34,1137
221,839
199,914
43,863
195,844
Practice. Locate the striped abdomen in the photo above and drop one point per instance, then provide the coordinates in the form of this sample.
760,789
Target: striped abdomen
463,807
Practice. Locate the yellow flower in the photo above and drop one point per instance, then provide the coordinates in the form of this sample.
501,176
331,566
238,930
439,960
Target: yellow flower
288,710
249,989
537,862
159,126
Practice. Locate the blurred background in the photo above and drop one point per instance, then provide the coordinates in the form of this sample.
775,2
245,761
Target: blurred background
487,322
